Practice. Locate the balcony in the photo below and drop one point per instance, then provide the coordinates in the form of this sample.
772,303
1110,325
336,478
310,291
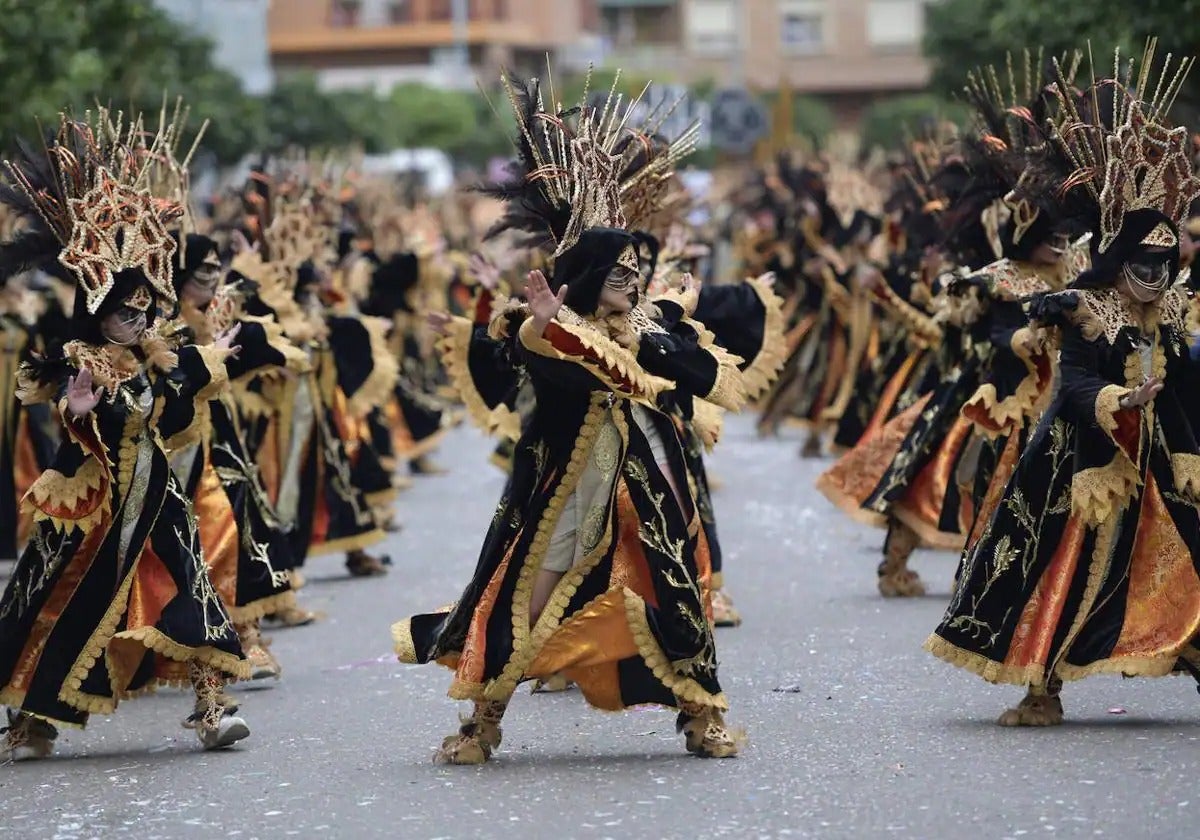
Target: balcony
351,39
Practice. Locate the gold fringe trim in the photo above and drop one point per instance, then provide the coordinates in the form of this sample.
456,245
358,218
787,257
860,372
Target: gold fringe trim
729,389
385,371
685,689
1186,469
71,691
1099,492
262,607
762,372
154,639
1136,666
402,642
527,643
988,669
644,385
354,542
455,347
708,421
847,504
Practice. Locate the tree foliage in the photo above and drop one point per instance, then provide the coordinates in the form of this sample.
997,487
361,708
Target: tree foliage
889,122
962,34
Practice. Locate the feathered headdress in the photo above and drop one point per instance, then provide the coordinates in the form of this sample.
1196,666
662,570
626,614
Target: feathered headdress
86,193
583,167
1117,154
1011,107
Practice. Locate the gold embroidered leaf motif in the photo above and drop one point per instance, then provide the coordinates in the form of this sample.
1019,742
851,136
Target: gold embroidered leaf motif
1002,558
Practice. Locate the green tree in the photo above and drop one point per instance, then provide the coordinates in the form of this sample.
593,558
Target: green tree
888,122
62,54
962,34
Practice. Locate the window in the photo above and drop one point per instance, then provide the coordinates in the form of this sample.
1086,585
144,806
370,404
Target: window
345,12
802,26
895,24
712,26
399,11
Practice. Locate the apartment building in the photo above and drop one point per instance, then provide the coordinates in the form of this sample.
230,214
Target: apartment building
849,52
449,43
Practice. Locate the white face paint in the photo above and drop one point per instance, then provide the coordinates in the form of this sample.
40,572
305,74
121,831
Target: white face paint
124,327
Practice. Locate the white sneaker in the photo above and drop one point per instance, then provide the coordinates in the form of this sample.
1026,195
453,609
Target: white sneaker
226,734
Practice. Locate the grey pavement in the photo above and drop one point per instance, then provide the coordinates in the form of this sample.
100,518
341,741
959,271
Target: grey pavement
853,731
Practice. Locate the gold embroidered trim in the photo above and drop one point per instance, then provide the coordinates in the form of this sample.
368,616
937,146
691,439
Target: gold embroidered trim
1011,413
1099,492
685,689
527,642
1108,403
645,386
110,366
1186,469
455,348
56,497
762,372
988,669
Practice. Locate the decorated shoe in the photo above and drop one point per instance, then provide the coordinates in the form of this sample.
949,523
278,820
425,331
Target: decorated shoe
1034,710
361,564
725,614
26,737
478,737
213,719
706,735
263,664
294,616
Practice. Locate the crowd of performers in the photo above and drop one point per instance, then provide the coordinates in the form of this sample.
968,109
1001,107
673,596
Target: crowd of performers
195,403
995,335
992,330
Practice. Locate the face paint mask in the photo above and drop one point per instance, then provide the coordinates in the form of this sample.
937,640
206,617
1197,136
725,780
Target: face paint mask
132,321
621,280
1153,279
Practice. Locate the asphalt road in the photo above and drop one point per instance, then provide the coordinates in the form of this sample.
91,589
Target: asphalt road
854,732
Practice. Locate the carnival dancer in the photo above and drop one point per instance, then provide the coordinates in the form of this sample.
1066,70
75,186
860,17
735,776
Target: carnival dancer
1088,564
595,565
111,596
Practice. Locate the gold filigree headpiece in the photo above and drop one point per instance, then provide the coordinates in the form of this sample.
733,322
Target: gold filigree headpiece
1141,163
100,208
581,160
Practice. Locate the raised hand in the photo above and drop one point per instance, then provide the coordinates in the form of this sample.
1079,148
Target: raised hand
81,398
1143,393
543,303
484,271
225,340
